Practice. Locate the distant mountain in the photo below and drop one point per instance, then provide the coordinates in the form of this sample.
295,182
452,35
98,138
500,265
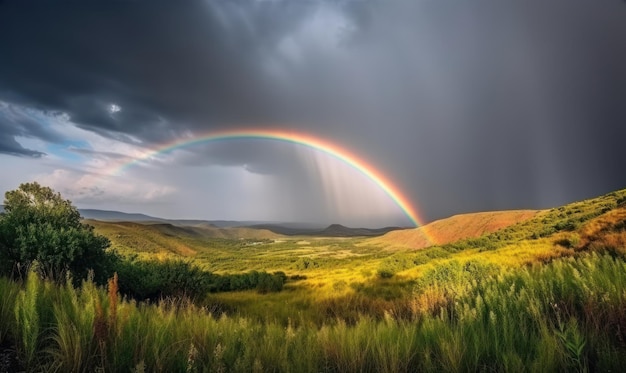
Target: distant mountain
338,230
213,223
107,215
286,228
333,230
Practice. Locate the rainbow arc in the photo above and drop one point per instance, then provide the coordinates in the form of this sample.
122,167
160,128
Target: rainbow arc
301,139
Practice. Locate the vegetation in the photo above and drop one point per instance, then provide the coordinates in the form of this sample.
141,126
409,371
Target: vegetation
519,299
568,315
154,280
38,225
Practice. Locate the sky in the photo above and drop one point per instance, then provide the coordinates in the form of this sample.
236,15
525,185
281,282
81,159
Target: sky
462,105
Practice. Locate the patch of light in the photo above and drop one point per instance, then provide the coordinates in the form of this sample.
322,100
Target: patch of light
113,108
326,27
31,143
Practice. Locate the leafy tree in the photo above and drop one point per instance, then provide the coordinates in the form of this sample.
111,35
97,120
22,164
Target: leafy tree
39,225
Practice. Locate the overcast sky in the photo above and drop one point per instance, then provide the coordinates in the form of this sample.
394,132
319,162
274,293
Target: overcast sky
465,105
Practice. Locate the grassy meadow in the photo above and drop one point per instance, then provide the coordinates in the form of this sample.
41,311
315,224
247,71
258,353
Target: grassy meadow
545,294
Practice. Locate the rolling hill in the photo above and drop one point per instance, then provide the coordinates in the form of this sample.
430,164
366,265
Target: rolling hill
168,238
453,229
247,228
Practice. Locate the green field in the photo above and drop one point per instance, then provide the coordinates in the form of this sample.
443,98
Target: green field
546,294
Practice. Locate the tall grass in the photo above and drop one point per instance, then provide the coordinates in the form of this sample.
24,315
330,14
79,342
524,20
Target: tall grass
569,315
8,295
27,320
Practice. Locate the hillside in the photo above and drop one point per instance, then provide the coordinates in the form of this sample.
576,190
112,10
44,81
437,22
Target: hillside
453,229
168,238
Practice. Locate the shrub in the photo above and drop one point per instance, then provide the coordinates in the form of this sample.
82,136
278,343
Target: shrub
385,273
570,242
269,283
154,280
39,225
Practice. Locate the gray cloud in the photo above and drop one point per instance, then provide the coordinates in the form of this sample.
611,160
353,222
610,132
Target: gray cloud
16,122
193,64
100,154
9,146
467,105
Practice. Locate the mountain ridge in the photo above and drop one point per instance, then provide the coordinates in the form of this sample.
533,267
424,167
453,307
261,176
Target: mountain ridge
288,229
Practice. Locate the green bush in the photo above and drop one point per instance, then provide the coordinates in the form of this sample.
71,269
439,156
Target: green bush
153,280
38,225
144,280
269,283
385,273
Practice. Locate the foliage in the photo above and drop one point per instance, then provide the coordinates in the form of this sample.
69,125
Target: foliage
263,282
154,280
567,315
38,225
143,280
28,325
385,273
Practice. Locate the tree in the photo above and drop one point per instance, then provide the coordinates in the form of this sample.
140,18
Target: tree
39,225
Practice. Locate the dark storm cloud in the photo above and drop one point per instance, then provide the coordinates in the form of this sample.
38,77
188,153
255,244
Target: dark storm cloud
467,105
503,104
8,145
191,63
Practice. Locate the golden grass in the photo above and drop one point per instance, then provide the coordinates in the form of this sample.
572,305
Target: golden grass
338,268
452,229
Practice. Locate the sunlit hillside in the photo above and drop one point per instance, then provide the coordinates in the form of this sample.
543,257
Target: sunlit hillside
455,228
167,240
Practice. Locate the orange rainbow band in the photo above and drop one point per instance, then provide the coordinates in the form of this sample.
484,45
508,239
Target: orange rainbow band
296,138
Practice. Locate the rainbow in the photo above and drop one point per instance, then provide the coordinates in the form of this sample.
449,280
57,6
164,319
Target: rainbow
306,140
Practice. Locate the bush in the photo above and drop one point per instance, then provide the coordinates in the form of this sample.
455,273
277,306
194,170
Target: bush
269,283
570,242
155,280
385,273
38,225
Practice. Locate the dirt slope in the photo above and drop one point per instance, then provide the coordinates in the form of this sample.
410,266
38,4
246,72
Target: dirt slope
453,229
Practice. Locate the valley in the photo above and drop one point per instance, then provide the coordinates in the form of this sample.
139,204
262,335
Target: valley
385,268
499,291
